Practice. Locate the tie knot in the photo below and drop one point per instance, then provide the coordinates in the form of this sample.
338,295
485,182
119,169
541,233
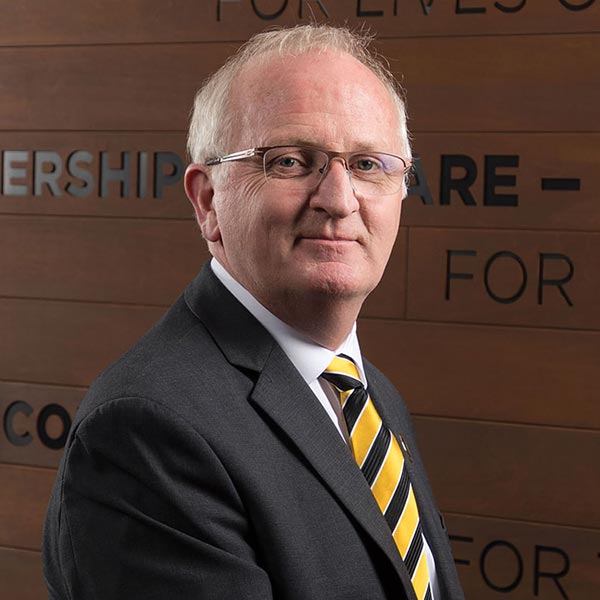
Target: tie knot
342,373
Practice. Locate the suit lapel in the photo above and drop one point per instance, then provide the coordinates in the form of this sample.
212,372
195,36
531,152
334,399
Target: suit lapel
433,527
283,394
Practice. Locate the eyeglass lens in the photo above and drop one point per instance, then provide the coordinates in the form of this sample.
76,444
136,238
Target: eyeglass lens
371,173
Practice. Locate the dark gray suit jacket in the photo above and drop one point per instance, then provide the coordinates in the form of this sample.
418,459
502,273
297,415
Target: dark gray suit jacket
200,465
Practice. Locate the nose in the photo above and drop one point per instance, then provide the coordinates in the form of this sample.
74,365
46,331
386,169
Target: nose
335,193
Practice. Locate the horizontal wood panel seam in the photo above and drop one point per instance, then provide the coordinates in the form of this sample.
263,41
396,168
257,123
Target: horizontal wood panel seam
94,217
496,423
521,521
536,232
136,131
20,549
125,131
98,302
19,465
485,35
499,227
414,132
512,326
34,468
183,43
22,467
38,384
471,324
496,131
23,548
240,40
46,383
90,217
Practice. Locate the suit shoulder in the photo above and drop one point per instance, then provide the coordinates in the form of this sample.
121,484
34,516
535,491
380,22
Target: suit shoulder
176,354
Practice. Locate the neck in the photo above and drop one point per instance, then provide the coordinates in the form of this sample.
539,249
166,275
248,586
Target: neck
325,321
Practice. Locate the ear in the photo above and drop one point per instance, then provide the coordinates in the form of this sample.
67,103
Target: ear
200,191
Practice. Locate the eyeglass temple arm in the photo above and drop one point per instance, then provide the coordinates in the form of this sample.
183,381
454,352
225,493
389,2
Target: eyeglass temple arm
229,157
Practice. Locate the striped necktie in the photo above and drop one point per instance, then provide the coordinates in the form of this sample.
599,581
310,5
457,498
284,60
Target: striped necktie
381,461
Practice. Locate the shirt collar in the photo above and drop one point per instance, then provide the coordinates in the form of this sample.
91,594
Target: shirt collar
309,358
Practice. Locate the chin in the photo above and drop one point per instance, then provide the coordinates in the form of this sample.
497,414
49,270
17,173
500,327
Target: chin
339,283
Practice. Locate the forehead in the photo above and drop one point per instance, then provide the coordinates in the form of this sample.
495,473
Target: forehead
323,98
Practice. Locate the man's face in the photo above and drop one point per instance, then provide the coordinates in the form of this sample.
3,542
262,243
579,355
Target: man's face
292,246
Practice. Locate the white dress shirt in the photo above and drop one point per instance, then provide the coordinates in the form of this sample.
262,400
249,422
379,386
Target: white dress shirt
311,360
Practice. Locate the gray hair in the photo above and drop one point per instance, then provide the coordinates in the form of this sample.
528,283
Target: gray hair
211,120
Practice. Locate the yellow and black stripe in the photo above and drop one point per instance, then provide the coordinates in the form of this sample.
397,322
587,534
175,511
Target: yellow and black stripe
381,461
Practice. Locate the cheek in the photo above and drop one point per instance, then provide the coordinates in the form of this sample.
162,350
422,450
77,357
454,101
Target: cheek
392,225
383,228
250,186
238,206
265,215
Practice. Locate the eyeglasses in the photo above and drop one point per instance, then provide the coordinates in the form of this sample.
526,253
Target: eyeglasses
302,168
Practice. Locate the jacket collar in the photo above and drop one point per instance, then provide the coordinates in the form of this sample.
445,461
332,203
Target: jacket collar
242,339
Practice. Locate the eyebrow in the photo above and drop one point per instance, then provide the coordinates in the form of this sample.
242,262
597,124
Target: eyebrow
292,142
368,147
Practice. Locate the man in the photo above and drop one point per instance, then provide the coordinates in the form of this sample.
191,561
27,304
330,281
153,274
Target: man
215,460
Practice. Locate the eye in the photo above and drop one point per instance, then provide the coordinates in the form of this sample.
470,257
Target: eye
288,162
366,165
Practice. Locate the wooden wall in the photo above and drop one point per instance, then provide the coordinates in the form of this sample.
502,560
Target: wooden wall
487,319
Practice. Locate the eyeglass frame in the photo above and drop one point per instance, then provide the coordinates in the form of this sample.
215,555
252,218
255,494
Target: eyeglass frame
260,151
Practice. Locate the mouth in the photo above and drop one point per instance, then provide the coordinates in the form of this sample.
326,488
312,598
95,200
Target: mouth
324,237
327,242
327,245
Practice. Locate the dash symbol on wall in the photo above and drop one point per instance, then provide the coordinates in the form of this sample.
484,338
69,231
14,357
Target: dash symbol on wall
561,184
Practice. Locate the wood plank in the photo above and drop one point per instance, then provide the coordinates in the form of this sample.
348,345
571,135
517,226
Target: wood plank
489,373
25,494
442,369
21,574
36,419
504,277
66,343
526,204
51,22
147,261
159,194
69,342
524,560
136,88
519,472
467,84
103,87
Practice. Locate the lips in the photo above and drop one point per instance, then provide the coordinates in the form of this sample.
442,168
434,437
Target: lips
326,237
329,239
